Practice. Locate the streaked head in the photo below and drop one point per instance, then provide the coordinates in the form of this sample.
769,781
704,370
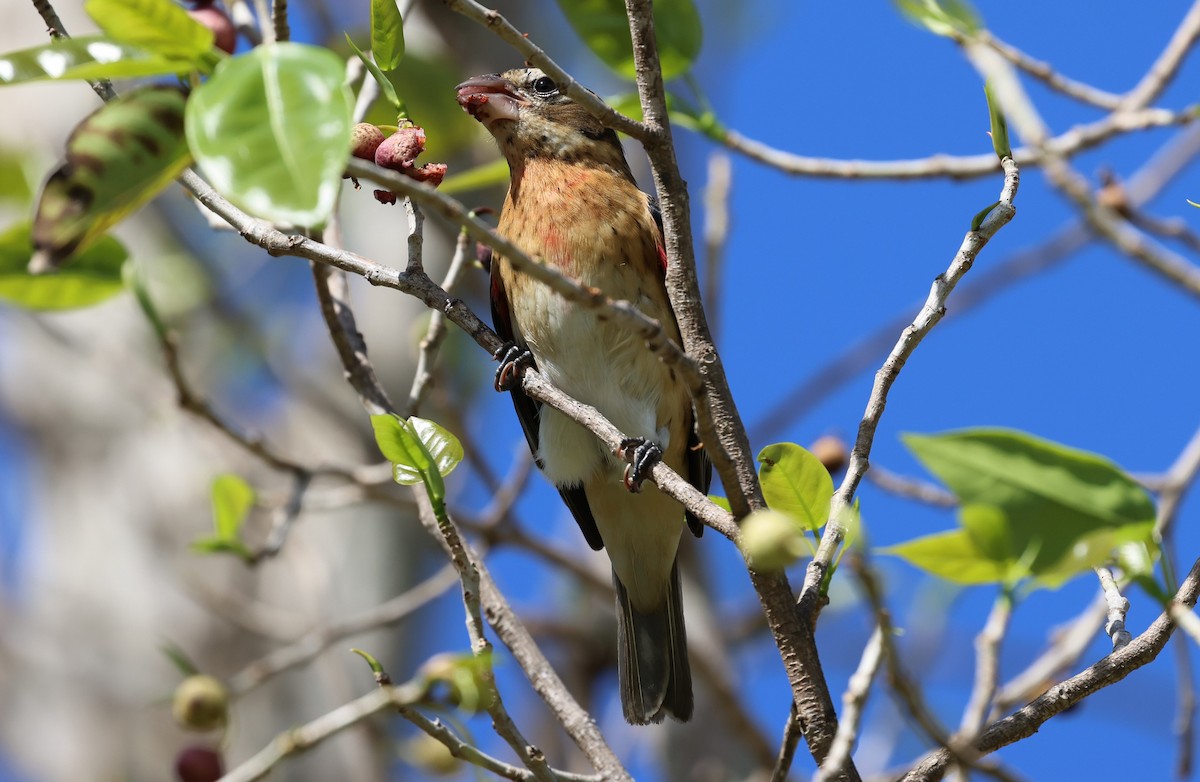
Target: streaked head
529,116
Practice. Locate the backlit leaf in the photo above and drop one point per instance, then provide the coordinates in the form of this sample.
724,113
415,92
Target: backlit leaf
117,159
93,57
93,277
387,34
796,483
160,27
604,27
953,556
271,131
1063,507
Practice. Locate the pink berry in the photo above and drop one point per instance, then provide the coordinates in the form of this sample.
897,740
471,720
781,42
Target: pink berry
199,764
224,33
365,139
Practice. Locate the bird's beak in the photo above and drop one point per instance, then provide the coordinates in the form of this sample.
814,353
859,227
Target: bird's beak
490,99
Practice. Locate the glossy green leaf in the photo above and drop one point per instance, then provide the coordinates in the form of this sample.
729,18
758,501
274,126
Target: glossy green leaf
387,34
1052,497
604,27
117,159
93,57
796,483
232,499
949,18
160,27
999,131
398,445
491,174
94,276
444,447
953,556
385,84
271,131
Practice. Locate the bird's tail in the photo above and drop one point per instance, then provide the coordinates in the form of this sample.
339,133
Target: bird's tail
652,659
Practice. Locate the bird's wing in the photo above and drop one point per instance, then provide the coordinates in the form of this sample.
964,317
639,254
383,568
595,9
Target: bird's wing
698,466
529,414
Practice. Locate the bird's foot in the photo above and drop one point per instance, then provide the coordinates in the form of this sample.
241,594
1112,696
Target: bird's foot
643,454
513,362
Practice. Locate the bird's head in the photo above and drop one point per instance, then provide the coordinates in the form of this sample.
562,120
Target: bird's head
531,117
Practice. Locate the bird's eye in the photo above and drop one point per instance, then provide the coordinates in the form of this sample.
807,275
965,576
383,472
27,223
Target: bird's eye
545,86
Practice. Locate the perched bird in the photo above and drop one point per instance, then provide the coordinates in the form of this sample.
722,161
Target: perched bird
572,202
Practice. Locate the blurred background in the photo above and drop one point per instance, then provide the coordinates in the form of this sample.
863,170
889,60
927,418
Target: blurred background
105,480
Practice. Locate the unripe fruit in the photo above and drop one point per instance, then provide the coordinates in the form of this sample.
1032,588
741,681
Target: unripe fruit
199,764
771,540
201,703
400,149
365,138
224,33
399,152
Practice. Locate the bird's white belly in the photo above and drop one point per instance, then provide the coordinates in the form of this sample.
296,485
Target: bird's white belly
602,365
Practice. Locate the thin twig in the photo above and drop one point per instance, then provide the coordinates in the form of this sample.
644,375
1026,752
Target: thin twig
853,702
471,754
987,667
1070,143
911,488
1117,606
502,722
716,233
436,332
792,733
1044,72
262,10
309,735
306,648
279,20
1168,63
907,691
932,312
1057,699
1164,166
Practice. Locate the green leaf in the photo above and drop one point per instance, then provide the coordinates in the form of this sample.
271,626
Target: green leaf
487,175
387,34
440,444
93,57
232,499
948,18
271,131
160,27
1051,496
951,555
796,483
222,546
179,659
720,502
604,27
999,132
398,445
117,159
93,277
385,84
679,111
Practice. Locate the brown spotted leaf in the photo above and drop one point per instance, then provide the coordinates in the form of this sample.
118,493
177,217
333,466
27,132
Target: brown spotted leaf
117,159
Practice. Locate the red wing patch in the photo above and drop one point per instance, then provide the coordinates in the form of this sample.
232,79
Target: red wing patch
662,256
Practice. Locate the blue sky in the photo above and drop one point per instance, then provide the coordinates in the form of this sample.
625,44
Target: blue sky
1096,353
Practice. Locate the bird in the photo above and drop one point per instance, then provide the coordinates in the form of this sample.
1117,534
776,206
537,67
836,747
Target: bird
573,203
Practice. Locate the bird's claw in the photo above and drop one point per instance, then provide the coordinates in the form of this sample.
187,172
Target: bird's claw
643,455
513,361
